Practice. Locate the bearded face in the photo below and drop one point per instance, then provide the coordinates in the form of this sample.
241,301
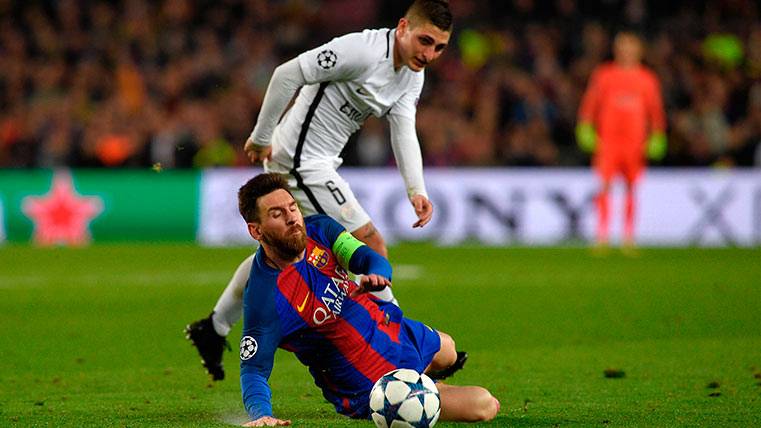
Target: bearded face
289,244
280,227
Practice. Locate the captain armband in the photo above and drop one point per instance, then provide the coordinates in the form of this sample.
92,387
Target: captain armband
345,246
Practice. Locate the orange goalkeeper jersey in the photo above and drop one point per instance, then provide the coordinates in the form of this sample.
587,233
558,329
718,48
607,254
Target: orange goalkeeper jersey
625,106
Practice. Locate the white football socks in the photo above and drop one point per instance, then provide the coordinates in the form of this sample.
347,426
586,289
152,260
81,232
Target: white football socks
229,307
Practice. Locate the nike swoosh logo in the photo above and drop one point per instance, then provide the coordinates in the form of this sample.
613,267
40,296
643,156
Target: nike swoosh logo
300,307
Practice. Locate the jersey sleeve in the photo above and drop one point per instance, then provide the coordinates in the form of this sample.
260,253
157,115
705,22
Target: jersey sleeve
407,153
285,81
655,105
406,106
591,99
260,338
343,58
404,141
366,261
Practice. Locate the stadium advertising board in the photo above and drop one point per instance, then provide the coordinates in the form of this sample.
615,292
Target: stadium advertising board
528,206
64,207
486,206
2,222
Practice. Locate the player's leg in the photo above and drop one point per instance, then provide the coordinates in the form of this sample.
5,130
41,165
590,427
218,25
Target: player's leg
208,334
372,237
467,403
632,172
446,356
602,201
447,361
229,307
605,168
423,347
629,213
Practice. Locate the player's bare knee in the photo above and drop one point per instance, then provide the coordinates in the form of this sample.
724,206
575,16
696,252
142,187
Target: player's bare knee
448,350
446,356
486,406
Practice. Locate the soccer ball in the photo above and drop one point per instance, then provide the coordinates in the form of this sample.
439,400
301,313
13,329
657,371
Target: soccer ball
404,398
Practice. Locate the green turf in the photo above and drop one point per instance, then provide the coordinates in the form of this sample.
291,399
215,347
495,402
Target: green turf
92,337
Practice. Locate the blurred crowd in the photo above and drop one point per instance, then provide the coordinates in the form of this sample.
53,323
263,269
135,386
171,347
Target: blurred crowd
179,83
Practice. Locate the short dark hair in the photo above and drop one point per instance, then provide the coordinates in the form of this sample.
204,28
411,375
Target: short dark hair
434,11
255,188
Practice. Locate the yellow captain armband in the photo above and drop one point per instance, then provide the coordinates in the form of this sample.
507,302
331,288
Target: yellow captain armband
344,248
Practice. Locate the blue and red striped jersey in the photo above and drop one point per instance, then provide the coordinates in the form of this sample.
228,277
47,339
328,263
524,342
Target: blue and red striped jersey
347,343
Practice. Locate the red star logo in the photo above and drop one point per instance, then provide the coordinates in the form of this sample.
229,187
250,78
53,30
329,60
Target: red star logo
62,216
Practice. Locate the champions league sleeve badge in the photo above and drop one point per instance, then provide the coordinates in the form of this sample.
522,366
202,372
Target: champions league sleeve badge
327,59
248,347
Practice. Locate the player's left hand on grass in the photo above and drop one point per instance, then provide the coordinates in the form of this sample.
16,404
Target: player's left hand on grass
267,421
371,282
656,146
423,210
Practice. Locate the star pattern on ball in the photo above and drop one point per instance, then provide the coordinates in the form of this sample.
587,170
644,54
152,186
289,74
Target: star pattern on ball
404,398
62,216
327,59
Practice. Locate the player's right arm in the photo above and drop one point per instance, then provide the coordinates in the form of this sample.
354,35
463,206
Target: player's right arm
361,259
358,258
285,81
261,336
257,356
353,254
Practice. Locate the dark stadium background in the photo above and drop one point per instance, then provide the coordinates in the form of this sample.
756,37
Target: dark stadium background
179,83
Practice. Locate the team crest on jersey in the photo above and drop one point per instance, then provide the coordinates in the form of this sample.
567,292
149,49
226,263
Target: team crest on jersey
327,59
318,257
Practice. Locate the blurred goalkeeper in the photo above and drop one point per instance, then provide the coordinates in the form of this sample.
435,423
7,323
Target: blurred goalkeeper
299,297
621,120
341,83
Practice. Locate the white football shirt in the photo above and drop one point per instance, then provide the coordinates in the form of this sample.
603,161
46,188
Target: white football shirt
348,79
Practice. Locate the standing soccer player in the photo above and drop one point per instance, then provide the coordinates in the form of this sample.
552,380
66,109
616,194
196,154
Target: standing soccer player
299,298
375,72
621,120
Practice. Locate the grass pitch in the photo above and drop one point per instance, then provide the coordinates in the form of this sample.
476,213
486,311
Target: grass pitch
93,337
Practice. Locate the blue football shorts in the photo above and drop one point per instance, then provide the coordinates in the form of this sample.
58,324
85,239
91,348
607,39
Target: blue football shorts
419,344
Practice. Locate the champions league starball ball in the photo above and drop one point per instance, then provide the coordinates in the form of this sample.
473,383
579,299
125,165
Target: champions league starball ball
404,398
